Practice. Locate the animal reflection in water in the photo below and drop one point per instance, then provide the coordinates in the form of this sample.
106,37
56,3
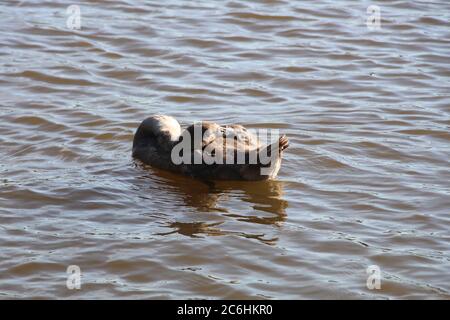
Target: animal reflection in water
264,198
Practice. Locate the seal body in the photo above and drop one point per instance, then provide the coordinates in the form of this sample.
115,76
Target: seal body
207,150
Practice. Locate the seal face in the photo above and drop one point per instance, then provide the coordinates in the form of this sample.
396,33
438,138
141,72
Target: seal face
207,150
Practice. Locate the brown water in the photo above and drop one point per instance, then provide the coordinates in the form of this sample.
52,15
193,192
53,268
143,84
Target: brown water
366,180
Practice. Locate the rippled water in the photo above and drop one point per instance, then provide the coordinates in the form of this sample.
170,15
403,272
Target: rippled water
365,181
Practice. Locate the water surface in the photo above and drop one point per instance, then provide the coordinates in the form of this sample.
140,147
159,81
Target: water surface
365,181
